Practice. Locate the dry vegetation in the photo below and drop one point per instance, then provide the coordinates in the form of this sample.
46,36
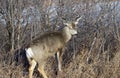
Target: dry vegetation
93,53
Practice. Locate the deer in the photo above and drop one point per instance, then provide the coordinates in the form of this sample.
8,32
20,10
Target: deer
47,45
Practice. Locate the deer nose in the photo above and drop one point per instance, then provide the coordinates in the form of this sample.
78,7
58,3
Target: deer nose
75,36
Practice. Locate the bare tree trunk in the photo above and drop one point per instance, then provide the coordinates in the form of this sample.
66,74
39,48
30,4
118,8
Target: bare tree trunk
18,24
11,23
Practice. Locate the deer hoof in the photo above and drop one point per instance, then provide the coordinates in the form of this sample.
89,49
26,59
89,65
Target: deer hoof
60,74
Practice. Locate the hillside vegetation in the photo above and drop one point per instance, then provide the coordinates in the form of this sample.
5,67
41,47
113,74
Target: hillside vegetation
93,53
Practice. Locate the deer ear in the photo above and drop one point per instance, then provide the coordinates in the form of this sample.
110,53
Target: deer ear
76,22
66,24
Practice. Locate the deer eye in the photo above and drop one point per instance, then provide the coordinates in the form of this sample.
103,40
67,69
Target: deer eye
73,26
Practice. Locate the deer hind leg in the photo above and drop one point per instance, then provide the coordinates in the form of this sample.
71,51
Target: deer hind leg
41,71
32,67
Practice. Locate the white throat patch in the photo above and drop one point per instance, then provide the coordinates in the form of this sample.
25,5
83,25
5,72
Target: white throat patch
73,32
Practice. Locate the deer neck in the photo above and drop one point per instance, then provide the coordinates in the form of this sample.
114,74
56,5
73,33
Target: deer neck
66,34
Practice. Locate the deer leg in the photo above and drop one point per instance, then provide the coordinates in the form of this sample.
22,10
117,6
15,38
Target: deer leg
32,67
59,59
41,70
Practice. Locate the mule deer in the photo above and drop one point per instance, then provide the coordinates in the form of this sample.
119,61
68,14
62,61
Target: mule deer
48,45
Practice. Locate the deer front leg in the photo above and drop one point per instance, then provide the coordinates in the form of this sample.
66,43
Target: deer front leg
59,59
